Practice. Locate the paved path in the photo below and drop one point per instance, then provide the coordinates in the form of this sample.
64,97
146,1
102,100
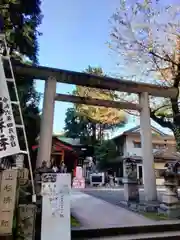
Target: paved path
96,213
114,196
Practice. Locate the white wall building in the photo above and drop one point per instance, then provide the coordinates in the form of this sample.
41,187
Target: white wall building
129,145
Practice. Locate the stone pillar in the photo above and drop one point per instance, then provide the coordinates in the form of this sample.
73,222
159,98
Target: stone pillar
26,228
131,188
46,128
147,151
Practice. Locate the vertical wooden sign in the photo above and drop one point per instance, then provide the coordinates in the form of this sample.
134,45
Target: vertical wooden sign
7,200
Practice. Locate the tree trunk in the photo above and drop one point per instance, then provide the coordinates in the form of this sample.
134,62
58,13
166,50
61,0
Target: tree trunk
176,131
93,134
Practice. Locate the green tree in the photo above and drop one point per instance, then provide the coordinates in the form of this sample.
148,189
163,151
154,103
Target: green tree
146,36
105,152
76,126
21,21
79,126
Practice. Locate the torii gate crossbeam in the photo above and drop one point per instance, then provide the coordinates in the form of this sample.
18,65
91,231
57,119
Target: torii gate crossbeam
88,80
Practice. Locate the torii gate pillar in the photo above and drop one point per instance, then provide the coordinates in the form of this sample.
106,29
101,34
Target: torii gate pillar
46,126
147,151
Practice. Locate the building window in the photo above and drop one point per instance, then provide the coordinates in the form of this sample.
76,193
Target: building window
158,146
137,145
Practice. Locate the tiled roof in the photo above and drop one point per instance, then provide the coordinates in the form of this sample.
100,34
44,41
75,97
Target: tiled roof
135,129
167,154
71,141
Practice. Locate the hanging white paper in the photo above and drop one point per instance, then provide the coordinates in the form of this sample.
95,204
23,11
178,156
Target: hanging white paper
9,144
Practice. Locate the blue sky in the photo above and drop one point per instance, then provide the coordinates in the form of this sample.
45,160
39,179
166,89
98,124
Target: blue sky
74,36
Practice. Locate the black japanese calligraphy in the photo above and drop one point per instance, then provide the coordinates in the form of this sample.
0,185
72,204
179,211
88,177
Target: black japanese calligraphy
1,109
11,130
6,112
4,223
5,99
6,106
7,200
3,142
13,144
2,125
10,125
9,118
12,138
62,206
9,177
8,188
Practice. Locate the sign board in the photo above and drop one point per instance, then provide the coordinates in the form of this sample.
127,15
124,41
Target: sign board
7,200
56,223
26,221
78,183
9,144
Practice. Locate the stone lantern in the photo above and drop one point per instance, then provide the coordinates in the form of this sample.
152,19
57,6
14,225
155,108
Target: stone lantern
170,202
19,160
131,189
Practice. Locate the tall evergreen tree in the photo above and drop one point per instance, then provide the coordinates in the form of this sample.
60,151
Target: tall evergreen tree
21,19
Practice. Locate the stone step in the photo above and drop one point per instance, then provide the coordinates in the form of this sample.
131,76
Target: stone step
159,231
151,236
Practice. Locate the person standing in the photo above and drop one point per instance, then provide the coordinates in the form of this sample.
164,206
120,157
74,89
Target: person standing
55,168
63,168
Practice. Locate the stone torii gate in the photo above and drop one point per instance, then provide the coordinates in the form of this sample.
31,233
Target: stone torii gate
52,76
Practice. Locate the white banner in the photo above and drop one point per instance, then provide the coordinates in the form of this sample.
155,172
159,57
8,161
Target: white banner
9,144
56,222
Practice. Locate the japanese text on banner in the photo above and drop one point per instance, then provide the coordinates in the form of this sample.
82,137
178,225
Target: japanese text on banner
9,144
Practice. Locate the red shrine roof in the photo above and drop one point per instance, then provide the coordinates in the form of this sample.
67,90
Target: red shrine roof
58,145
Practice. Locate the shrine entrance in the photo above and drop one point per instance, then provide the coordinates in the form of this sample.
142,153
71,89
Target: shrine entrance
52,76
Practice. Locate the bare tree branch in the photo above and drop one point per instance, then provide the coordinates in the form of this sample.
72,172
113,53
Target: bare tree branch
163,58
